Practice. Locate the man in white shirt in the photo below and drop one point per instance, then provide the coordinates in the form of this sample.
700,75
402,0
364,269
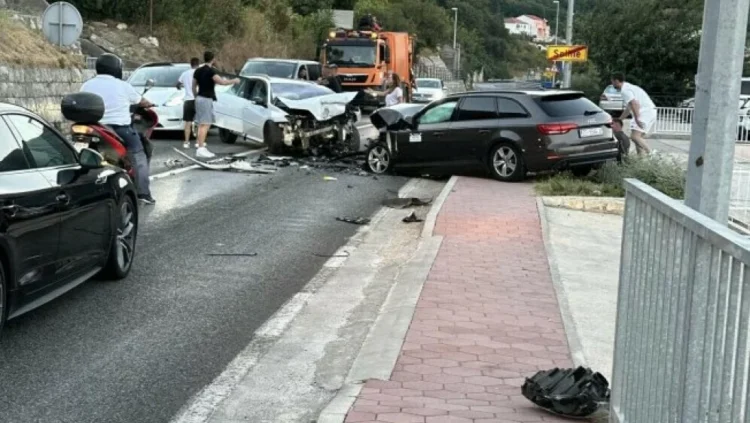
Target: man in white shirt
188,107
639,104
118,96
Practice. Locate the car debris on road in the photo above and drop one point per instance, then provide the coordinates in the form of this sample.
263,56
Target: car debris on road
403,203
234,163
412,218
355,221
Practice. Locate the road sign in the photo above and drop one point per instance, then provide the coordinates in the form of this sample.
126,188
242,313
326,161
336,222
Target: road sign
568,53
62,23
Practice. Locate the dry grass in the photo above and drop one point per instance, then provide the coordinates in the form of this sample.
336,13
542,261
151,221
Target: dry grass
256,39
24,47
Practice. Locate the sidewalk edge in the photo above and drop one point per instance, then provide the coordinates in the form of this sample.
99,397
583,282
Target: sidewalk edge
378,355
431,219
574,340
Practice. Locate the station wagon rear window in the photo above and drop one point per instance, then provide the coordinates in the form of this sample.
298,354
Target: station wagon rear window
566,105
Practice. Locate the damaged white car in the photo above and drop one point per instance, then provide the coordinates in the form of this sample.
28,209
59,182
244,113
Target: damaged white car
283,113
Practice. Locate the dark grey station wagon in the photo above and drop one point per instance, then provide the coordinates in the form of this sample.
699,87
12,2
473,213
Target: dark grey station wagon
509,133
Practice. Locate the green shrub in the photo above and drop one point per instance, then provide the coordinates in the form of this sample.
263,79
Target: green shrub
665,174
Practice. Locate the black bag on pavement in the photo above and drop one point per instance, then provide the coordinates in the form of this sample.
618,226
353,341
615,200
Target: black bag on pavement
567,392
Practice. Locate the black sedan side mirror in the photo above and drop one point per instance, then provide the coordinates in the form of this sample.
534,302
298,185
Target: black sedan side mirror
90,159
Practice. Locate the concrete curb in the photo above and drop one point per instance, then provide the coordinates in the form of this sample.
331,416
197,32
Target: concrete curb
606,205
681,137
379,353
431,219
381,348
574,340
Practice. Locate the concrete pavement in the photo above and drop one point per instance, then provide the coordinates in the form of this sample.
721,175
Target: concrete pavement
584,255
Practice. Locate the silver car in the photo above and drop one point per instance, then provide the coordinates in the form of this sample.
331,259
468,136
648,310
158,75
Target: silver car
165,95
611,101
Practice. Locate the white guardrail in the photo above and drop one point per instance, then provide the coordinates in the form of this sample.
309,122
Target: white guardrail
679,121
682,350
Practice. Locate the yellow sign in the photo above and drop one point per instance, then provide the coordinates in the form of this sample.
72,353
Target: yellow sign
568,53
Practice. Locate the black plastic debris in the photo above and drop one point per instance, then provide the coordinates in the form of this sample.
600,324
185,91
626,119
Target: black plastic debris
412,218
232,254
355,221
402,203
571,393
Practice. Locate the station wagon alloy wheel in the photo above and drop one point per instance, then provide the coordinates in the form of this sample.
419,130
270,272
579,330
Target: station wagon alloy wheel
378,159
125,236
505,161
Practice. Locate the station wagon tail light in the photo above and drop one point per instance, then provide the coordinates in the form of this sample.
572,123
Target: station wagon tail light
81,130
556,128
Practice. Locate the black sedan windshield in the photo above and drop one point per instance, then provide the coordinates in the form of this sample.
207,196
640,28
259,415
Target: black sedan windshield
270,68
163,76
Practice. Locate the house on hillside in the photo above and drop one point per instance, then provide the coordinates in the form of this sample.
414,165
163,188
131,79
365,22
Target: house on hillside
539,27
516,26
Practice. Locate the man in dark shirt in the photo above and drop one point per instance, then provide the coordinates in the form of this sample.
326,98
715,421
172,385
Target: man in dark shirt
204,88
331,79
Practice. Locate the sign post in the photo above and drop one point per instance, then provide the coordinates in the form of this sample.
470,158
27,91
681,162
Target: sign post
568,53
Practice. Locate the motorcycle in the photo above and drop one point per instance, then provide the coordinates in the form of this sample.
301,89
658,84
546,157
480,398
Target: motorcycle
85,110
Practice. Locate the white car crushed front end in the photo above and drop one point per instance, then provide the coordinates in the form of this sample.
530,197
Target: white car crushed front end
330,118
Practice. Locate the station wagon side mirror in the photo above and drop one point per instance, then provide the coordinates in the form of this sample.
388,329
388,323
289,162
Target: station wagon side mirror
150,83
259,101
90,159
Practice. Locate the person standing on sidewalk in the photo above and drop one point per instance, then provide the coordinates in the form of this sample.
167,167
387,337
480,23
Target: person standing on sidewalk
188,108
118,96
205,79
641,107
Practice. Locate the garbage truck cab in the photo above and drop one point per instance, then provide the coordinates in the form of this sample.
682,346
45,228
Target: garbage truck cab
364,59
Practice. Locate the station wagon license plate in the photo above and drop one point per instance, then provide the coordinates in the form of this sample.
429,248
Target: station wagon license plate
80,146
591,132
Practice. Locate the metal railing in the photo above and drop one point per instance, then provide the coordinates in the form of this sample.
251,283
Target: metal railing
679,121
682,351
440,72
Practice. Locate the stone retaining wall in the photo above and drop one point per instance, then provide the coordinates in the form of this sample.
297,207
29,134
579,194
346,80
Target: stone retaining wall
41,90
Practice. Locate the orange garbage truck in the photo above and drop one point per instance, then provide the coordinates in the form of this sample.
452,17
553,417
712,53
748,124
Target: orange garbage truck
364,59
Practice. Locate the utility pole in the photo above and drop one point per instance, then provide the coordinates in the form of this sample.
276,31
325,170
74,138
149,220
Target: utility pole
455,34
151,17
557,25
711,162
568,69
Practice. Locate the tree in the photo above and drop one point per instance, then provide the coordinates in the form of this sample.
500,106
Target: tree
655,43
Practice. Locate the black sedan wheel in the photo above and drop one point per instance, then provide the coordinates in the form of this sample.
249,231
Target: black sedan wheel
227,137
378,159
122,251
506,163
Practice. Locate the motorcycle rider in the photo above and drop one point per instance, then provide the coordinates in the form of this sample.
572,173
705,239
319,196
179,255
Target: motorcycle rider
118,96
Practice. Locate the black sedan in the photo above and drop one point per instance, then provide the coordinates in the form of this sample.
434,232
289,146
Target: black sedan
64,216
508,133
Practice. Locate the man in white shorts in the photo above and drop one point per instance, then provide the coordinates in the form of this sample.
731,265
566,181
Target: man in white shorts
639,104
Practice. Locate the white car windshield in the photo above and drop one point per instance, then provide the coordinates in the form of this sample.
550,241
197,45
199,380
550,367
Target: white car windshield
428,83
163,76
302,91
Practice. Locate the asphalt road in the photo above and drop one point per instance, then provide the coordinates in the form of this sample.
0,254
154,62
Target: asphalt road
137,350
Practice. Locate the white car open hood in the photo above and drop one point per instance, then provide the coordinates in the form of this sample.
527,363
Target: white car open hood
323,107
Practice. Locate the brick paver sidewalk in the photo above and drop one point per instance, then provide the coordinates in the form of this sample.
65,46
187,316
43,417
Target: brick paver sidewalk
487,317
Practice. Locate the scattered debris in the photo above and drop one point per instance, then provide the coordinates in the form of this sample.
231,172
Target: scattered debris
356,221
402,203
412,218
174,163
232,254
329,178
230,163
568,392
346,254
304,167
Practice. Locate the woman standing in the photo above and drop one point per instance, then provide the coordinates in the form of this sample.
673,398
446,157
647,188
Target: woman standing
394,95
